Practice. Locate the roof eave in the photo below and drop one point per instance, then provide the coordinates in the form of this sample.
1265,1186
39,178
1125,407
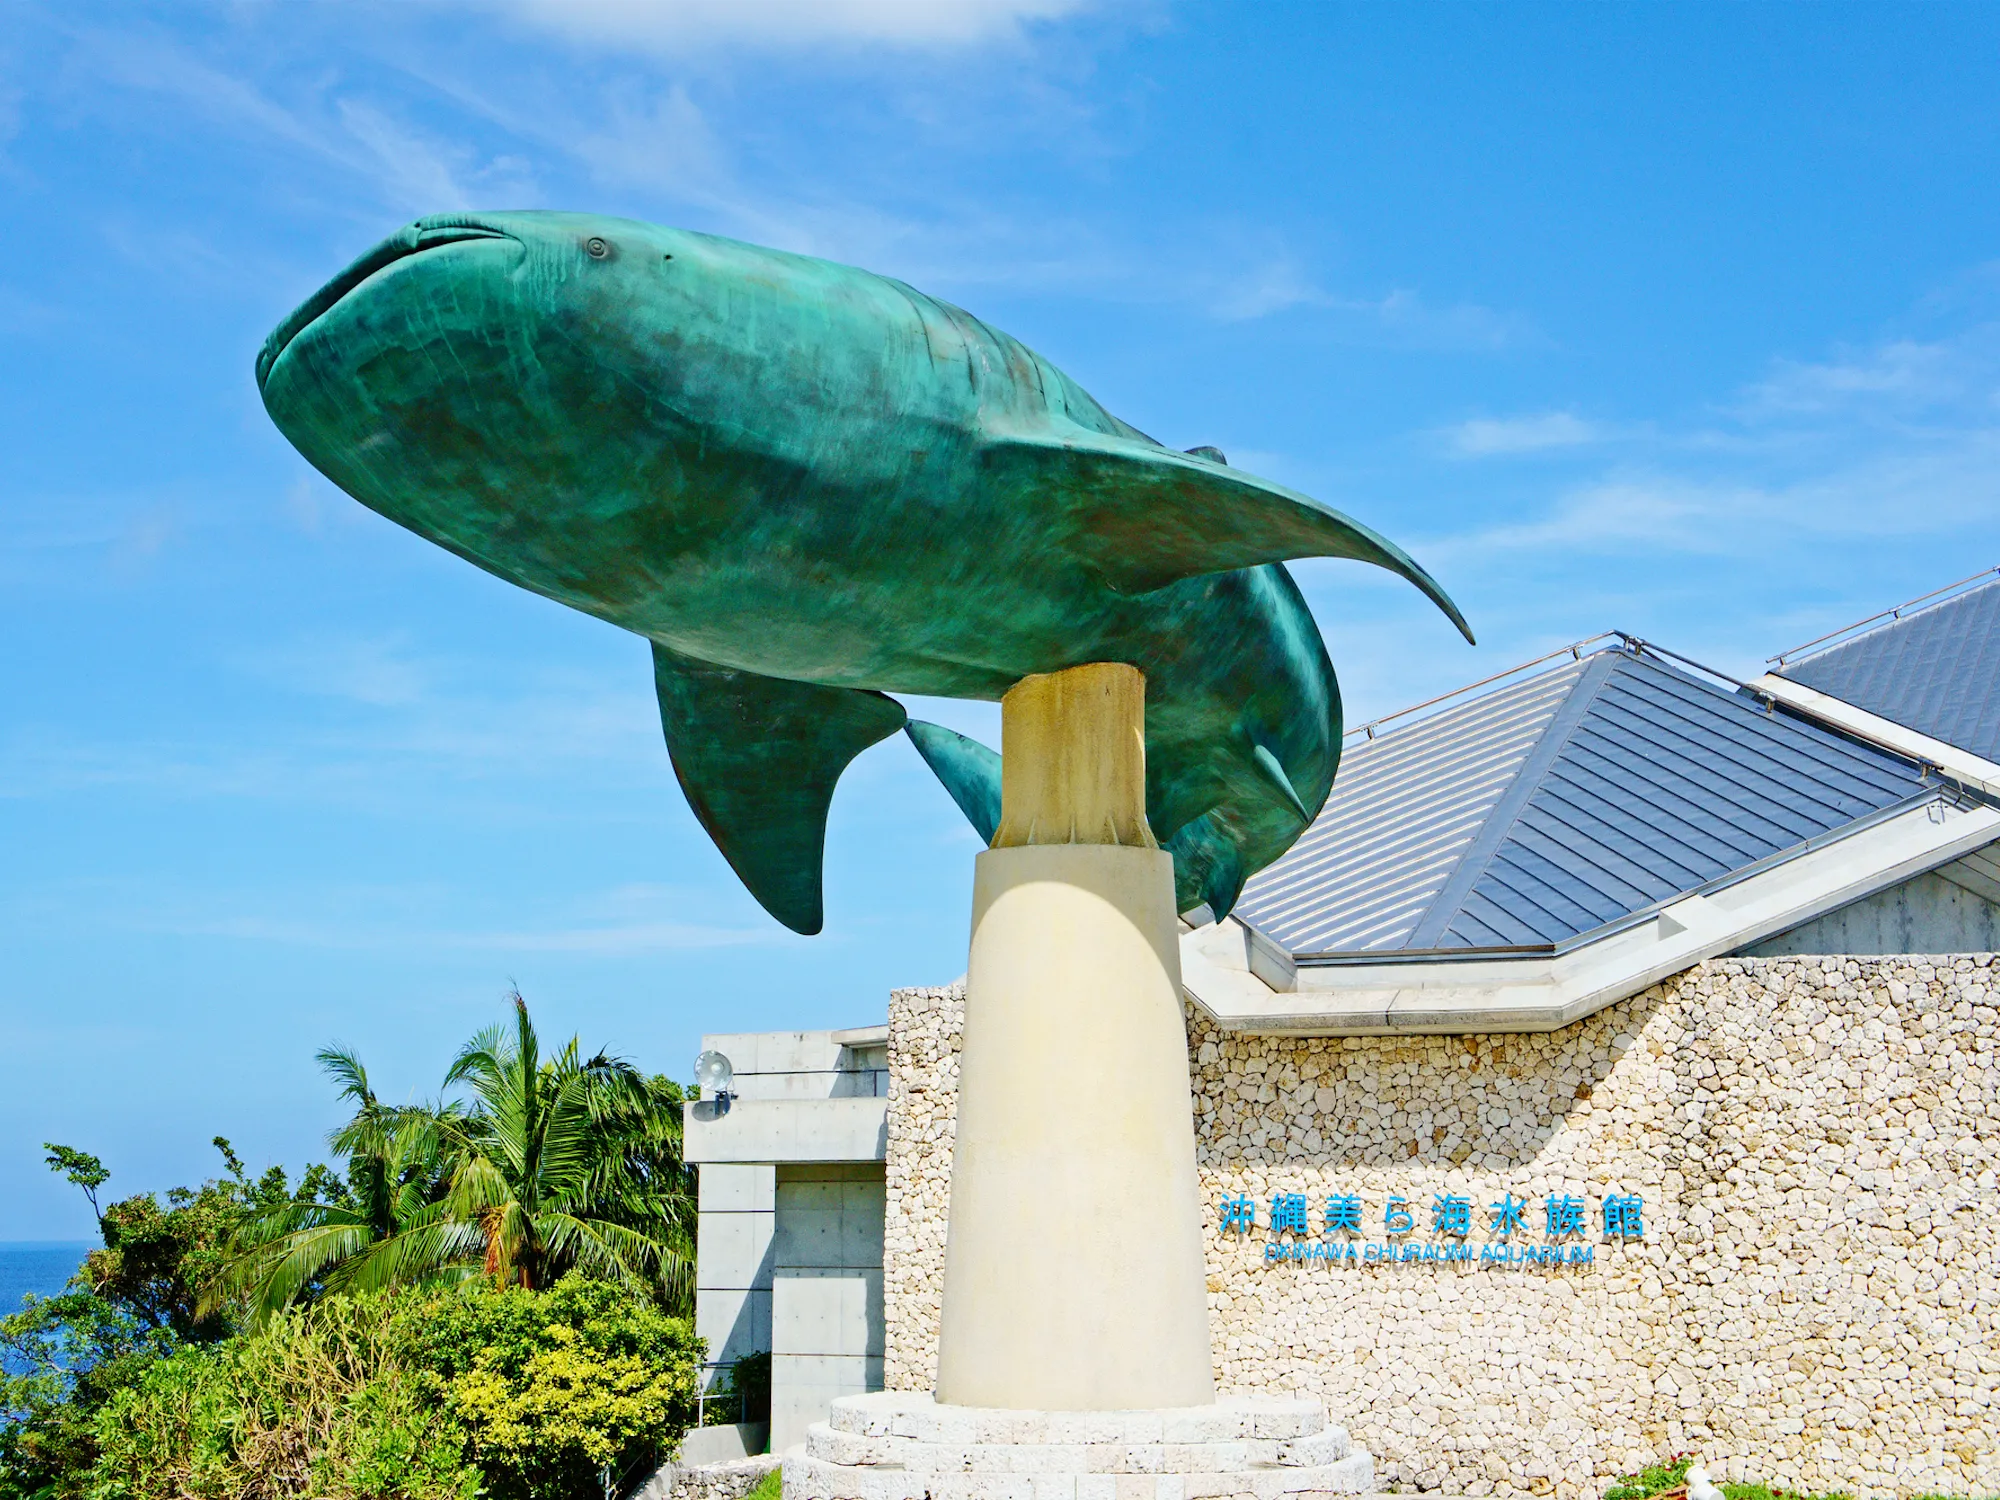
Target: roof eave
1229,970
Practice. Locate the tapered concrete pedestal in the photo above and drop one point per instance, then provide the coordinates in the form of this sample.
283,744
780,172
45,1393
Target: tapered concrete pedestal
1073,1354
1073,1275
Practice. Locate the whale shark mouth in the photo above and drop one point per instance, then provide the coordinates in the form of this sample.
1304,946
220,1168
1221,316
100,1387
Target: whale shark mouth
412,239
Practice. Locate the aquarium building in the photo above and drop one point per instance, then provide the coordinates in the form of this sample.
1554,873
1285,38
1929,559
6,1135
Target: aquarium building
1609,1072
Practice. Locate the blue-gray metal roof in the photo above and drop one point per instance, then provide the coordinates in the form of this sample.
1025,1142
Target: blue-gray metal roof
1547,809
1936,671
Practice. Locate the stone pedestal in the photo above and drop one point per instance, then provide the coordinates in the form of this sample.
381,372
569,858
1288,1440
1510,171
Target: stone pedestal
895,1445
1073,1276
1073,1352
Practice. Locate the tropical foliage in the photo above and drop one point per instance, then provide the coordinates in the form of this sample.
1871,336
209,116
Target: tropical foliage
489,1298
555,1163
511,1394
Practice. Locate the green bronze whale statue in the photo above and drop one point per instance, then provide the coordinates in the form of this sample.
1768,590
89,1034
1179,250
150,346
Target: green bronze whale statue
809,486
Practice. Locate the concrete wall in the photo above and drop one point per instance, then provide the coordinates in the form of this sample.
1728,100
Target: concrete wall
1929,914
800,1098
826,1293
732,1298
1816,1301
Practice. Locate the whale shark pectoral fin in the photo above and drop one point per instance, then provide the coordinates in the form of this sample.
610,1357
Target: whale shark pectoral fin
968,769
1146,516
758,758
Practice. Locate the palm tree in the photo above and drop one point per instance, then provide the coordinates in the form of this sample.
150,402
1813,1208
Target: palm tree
391,1227
572,1163
559,1163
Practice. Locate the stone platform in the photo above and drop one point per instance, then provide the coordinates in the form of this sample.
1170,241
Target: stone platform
897,1445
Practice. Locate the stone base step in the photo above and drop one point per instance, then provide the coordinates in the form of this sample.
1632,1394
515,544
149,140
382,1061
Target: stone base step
908,1414
808,1478
902,1446
1328,1445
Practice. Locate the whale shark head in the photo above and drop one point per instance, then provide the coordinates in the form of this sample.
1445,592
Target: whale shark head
489,379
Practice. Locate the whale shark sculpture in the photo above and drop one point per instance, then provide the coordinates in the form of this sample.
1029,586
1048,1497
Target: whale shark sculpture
809,486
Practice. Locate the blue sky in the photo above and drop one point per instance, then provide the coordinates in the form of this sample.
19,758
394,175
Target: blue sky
1683,319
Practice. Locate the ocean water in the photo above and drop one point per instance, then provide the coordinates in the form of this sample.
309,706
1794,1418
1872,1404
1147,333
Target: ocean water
39,1266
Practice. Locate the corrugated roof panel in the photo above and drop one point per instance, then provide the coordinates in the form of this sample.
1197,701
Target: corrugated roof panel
1664,783
1936,671
1405,807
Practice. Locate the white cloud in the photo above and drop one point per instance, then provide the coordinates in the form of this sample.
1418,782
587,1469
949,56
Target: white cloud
1277,283
1899,372
671,24
379,673
1500,435
610,940
1945,490
411,172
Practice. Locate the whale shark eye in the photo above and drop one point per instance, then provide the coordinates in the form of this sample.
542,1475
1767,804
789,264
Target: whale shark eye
596,248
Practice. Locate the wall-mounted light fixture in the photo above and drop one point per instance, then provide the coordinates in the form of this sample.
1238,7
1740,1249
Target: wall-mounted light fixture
713,1074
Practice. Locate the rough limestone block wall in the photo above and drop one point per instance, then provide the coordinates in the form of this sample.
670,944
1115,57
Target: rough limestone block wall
1816,1303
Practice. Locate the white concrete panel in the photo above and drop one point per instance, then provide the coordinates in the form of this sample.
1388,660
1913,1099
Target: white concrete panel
788,1130
829,1220
733,1250
721,1445
735,1321
1926,915
827,1312
804,1386
728,1188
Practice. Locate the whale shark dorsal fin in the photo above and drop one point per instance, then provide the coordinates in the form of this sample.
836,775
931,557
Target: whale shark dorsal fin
969,770
1145,516
758,758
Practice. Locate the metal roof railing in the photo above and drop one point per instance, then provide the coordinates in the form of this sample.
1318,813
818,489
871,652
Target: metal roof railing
1574,651
1823,642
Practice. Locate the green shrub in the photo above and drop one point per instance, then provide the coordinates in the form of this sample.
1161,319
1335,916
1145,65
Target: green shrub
743,1394
554,1388
511,1395
1652,1481
316,1403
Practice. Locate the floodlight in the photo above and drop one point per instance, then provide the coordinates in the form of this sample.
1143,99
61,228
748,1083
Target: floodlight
713,1074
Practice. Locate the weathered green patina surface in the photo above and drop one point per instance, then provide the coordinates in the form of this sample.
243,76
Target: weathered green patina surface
809,486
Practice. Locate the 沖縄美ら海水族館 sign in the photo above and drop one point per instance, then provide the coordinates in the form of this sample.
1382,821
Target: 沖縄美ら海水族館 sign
809,486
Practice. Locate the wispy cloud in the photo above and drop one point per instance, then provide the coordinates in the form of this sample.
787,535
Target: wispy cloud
1270,284
610,940
1484,436
1900,439
669,25
1897,374
617,922
410,170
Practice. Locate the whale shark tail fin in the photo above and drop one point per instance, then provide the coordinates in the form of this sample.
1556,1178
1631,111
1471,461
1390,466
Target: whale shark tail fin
1145,516
758,758
969,771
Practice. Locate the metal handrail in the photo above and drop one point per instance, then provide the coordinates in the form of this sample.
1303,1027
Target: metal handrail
1574,651
1784,657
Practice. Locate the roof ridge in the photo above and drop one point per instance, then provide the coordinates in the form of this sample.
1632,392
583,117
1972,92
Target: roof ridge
1500,820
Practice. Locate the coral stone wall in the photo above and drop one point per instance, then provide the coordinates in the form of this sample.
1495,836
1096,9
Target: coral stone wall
1816,1300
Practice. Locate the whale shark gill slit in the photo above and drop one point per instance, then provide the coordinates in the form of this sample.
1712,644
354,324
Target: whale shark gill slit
412,239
